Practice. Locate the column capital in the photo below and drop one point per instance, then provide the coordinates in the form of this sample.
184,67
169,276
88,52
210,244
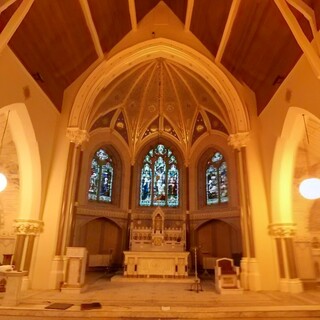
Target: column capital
238,140
77,136
282,230
28,227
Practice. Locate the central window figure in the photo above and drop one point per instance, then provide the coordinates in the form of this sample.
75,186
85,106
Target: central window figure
159,184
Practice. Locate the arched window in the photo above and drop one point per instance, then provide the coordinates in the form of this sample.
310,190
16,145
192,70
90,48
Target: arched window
216,180
100,188
159,181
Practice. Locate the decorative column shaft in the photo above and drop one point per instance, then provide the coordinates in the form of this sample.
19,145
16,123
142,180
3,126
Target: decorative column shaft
76,137
238,142
26,231
283,234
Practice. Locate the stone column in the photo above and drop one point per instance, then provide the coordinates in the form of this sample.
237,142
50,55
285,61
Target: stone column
283,234
76,137
249,266
26,231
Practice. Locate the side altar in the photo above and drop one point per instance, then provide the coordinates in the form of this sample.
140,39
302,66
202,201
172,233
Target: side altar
157,249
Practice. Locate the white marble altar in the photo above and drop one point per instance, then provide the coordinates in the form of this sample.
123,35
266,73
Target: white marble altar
155,264
156,250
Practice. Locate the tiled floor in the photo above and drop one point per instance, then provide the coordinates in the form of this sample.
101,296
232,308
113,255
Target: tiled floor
127,300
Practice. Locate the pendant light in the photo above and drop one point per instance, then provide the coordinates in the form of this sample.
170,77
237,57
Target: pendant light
309,188
3,178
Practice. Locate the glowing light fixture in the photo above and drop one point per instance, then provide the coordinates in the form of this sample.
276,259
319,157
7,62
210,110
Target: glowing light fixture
3,178
3,182
309,188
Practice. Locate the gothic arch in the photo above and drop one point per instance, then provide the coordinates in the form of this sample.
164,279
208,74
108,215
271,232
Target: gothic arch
283,165
152,49
25,141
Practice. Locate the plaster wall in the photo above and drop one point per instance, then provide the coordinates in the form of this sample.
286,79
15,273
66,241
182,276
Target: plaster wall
17,86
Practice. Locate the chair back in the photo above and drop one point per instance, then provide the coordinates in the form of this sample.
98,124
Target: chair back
226,266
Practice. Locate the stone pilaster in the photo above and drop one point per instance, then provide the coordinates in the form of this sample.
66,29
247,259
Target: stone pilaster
77,137
26,230
283,234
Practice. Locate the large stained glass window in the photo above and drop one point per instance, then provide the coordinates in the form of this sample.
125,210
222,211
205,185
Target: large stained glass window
100,188
216,180
159,184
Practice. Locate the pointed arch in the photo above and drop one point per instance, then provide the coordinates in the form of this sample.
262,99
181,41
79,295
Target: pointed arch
27,148
151,49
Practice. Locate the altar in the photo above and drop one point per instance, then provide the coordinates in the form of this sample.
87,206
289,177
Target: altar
156,264
157,249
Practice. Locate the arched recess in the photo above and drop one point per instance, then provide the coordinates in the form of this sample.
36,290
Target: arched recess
151,49
218,238
101,236
282,174
27,148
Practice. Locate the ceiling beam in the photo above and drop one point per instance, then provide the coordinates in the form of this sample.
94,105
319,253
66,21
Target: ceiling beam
14,23
307,47
227,29
133,15
92,28
188,15
4,4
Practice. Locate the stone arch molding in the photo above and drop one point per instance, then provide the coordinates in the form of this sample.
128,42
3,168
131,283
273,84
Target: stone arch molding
151,49
25,141
283,164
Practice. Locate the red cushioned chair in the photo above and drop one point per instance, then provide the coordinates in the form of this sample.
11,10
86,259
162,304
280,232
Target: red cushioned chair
227,276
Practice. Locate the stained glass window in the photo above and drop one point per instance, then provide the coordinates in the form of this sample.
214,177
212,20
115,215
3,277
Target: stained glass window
101,178
159,184
216,180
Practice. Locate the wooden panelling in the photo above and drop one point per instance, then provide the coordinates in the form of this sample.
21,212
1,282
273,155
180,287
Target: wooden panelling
112,21
178,7
53,40
261,48
208,21
143,7
315,5
7,14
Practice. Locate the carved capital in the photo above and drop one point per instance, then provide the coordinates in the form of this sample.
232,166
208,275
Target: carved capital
282,230
238,140
77,135
28,227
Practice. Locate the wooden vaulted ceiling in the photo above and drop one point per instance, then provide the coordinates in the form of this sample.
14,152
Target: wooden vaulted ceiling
55,42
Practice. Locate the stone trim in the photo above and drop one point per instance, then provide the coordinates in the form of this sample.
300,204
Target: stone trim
282,230
238,140
28,227
77,136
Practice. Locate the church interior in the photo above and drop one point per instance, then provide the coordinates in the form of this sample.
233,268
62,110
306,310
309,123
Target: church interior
150,140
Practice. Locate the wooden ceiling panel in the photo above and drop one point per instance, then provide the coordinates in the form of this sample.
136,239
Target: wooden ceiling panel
262,49
315,5
54,42
208,21
143,7
179,8
112,21
7,14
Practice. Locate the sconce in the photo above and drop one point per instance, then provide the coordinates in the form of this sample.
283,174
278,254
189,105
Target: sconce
3,178
309,188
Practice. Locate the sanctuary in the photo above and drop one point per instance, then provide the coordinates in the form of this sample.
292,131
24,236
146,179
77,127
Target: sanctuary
157,249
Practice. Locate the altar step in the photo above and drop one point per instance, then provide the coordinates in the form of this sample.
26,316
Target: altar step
120,278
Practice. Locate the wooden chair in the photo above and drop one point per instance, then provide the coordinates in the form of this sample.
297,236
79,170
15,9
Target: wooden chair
227,276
